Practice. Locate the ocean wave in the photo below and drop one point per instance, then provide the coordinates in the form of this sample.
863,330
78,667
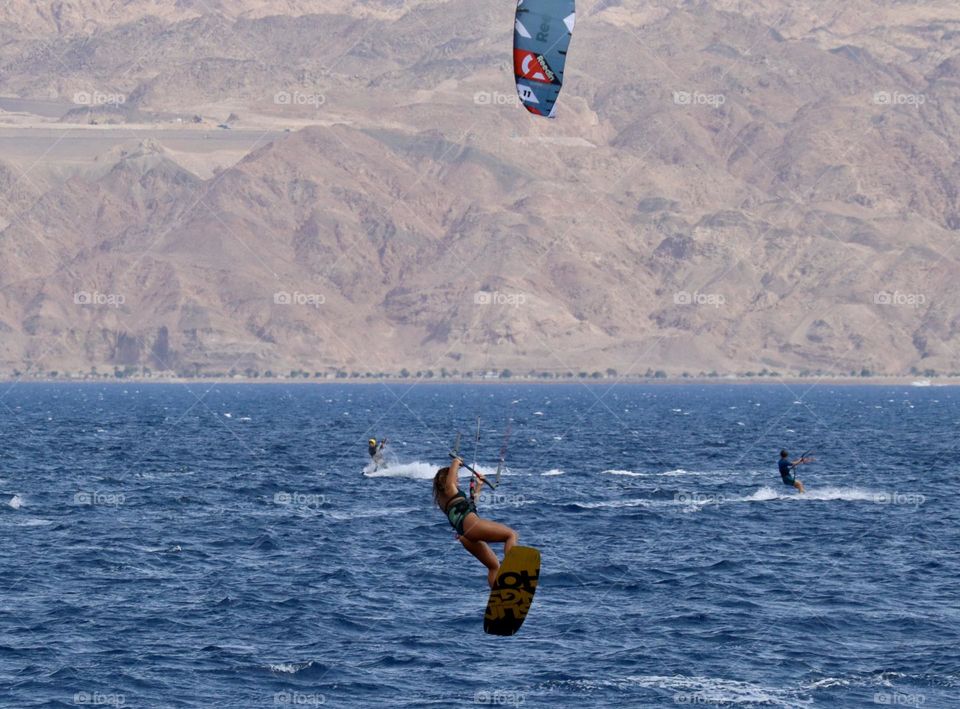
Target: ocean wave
411,471
713,690
374,512
700,691
637,502
679,472
419,470
829,494
289,668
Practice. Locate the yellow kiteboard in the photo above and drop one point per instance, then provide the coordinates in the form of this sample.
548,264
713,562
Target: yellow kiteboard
511,598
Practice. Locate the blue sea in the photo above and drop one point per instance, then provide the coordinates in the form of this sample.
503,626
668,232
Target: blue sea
222,546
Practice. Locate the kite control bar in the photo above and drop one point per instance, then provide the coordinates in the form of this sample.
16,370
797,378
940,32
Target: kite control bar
455,455
480,476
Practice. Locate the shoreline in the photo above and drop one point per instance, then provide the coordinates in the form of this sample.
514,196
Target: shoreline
913,382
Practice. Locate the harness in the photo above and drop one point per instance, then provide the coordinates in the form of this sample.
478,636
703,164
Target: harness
457,510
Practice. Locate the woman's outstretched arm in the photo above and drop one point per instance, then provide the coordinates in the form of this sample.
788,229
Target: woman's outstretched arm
452,484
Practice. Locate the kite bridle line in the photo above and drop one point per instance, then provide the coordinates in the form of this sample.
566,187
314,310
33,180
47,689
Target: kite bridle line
476,443
503,449
455,455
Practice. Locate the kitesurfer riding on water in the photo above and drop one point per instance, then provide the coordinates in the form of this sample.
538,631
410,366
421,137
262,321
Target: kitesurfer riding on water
376,451
473,531
787,470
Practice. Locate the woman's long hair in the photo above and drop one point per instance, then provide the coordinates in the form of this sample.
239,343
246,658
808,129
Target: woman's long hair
439,484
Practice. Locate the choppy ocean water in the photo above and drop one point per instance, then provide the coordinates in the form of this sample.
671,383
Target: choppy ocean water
200,546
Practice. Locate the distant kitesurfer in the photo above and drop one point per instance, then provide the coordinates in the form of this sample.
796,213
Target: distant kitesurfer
375,450
787,470
473,531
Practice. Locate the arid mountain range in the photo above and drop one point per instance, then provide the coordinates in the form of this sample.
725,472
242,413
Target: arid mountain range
245,186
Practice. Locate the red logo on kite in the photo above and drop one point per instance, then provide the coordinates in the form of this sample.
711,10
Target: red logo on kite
531,66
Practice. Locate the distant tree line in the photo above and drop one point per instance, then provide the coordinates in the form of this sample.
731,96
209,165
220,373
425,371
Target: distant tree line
198,372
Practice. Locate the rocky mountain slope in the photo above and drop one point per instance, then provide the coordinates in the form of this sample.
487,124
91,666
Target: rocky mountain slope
728,187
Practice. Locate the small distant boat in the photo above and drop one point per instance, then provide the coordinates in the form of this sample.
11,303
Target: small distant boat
920,383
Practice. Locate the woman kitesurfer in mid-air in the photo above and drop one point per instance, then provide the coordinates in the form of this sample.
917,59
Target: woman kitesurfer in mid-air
473,531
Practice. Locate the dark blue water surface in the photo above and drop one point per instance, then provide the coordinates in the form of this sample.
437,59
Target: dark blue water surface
208,546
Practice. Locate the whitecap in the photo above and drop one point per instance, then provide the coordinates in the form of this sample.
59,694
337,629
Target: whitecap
614,504
370,512
716,690
703,691
762,495
290,667
412,471
832,494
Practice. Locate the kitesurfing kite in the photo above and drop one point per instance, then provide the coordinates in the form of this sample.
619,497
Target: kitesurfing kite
541,38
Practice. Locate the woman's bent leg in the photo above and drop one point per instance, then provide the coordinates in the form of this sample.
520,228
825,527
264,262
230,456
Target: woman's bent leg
477,529
486,556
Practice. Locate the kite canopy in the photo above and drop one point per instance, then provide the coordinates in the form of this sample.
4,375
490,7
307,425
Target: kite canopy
541,38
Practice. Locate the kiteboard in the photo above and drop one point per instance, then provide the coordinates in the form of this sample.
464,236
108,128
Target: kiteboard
511,598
